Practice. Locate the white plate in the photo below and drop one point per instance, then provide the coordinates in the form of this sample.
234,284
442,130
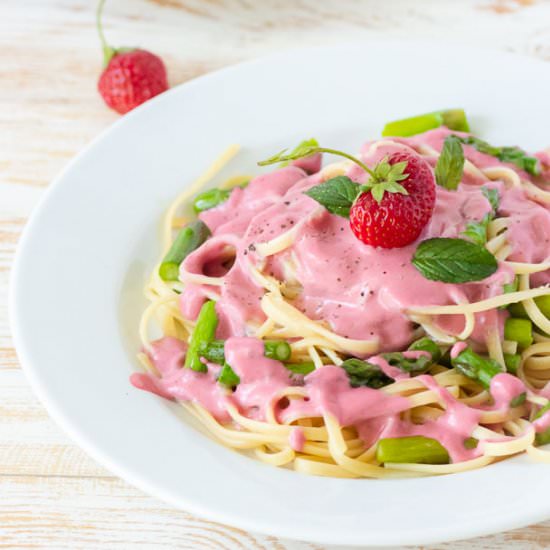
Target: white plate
76,293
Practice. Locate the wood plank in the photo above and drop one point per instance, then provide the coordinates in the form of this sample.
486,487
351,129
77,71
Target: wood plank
58,512
30,442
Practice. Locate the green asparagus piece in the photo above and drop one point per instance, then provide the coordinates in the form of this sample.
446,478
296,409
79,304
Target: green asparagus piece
363,373
413,450
210,199
277,349
300,368
205,330
519,330
414,367
213,350
454,119
476,367
228,377
188,239
542,438
425,344
542,302
518,400
512,362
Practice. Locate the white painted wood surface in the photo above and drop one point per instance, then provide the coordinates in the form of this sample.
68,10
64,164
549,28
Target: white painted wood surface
51,494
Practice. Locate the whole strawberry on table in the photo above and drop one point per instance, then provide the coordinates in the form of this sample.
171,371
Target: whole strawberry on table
130,76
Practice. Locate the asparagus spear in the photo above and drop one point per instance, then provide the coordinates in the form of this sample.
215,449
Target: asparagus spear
542,438
213,350
476,367
188,239
363,373
210,199
228,377
425,344
520,331
300,368
512,362
413,450
454,119
205,330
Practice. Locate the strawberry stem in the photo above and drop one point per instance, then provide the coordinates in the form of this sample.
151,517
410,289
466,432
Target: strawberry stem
370,172
108,51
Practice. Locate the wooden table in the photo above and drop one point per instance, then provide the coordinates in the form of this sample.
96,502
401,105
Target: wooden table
51,494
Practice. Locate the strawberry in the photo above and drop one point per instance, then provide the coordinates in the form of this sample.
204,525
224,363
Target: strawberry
130,76
390,210
395,219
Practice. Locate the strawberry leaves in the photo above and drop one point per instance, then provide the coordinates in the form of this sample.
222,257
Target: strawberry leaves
386,180
338,194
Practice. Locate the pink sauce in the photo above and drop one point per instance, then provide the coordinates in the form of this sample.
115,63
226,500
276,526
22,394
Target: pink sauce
363,292
260,377
457,349
297,439
183,384
451,429
329,391
504,388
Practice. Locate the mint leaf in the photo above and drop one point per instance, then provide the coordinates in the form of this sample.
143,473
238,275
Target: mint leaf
363,373
306,148
510,287
450,164
492,196
336,194
513,155
453,260
477,231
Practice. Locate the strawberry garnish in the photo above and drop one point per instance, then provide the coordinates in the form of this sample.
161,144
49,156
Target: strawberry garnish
131,76
395,219
390,210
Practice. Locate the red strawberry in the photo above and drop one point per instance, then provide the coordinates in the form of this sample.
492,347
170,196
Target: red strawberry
394,219
131,76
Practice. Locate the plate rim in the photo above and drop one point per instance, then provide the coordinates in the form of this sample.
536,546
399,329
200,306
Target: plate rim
85,441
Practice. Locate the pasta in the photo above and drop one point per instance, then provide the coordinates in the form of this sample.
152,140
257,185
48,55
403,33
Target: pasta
305,355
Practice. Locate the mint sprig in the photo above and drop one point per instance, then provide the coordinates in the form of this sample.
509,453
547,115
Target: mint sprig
453,260
384,178
450,164
477,231
513,155
336,194
492,196
304,149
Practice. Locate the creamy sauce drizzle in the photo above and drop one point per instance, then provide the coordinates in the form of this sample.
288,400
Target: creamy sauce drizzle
363,293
